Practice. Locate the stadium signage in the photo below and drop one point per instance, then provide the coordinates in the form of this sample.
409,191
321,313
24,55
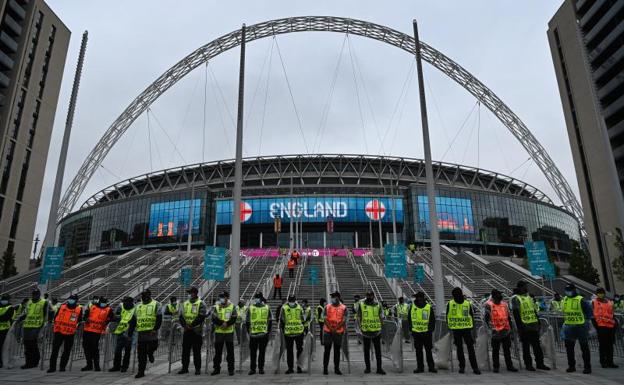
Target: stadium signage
336,209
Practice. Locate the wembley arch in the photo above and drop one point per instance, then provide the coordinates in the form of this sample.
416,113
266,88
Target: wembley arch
320,24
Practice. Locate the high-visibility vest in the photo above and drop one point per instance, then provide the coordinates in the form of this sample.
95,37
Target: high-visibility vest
146,316
527,309
5,325
573,311
292,320
307,316
224,314
124,321
555,305
386,312
603,313
66,320
259,319
319,312
173,309
96,322
458,316
401,310
291,264
499,316
241,312
335,318
277,282
18,311
420,318
35,316
191,310
370,317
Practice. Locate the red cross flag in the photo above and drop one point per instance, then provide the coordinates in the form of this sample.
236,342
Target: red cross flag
375,210
245,211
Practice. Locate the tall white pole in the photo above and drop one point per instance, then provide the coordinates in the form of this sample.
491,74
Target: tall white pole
238,180
436,258
292,216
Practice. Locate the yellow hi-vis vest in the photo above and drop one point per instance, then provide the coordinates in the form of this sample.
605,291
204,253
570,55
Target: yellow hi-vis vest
224,314
259,319
370,317
191,310
18,311
35,316
5,325
420,318
527,309
401,310
555,305
573,311
124,321
458,316
146,316
307,316
292,320
173,309
319,311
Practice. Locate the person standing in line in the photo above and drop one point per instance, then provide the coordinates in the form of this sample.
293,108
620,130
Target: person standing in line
148,320
355,311
96,318
606,326
277,286
192,321
555,304
291,268
259,323
370,319
66,322
33,319
307,316
123,341
291,324
320,318
6,316
576,315
400,312
527,322
498,319
241,309
460,320
421,321
335,316
224,319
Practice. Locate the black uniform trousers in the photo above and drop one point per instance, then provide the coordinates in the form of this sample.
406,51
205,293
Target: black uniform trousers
606,340
257,348
332,340
461,336
91,346
423,340
191,340
145,348
67,341
3,334
31,347
290,341
226,339
496,344
376,342
530,340
123,347
277,290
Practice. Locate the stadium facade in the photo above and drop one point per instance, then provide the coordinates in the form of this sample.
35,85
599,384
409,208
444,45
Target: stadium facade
359,199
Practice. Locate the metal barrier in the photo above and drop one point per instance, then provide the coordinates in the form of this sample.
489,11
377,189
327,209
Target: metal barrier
175,345
243,347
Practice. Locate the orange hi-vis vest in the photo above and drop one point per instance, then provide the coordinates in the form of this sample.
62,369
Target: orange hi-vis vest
603,313
96,323
277,282
66,320
499,316
334,318
291,264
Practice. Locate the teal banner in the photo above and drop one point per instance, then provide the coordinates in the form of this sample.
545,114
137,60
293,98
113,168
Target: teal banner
395,261
214,263
52,264
186,276
419,273
313,275
537,257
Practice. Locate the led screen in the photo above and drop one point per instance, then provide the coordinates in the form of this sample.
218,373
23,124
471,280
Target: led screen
454,214
170,219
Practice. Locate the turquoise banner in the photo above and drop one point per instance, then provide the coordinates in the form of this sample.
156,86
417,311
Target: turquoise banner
395,261
214,263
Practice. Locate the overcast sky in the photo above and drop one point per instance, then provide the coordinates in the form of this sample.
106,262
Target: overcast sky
374,104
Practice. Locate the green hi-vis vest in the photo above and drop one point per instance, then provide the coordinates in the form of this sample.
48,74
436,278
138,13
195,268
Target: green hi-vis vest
18,311
420,318
124,322
146,316
191,310
458,316
319,311
241,312
224,314
173,309
292,320
527,309
573,311
555,305
370,317
401,310
35,316
386,312
259,316
5,325
308,316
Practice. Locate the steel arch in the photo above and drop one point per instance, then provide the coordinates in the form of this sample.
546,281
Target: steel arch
326,24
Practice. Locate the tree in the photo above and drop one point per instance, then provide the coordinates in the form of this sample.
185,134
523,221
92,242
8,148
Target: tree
8,264
581,266
618,261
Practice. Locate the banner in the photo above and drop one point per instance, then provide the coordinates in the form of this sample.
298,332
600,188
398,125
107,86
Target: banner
214,263
186,276
537,256
395,261
52,264
313,276
419,273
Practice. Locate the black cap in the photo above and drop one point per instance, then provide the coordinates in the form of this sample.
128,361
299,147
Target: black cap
571,287
521,283
36,291
292,298
335,294
74,297
370,292
600,290
225,294
103,300
192,290
258,295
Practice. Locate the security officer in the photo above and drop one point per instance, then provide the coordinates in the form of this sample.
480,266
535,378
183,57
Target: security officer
355,311
258,323
124,315
605,325
240,310
460,320
400,312
421,321
96,318
555,304
34,317
335,316
527,322
307,316
386,309
224,319
291,324
66,322
499,321
192,320
6,316
19,309
370,319
320,311
148,319
576,315
618,303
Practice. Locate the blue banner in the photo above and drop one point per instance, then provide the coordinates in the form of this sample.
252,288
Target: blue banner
419,273
214,263
537,257
395,261
186,276
53,262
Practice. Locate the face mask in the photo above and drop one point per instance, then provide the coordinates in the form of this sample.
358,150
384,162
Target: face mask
334,300
71,302
292,304
616,299
102,305
258,301
145,298
568,293
4,302
222,301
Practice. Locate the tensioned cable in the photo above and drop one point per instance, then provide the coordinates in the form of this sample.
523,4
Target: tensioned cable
188,109
437,107
204,113
149,141
402,94
461,128
110,172
160,158
266,97
402,110
218,103
521,164
357,95
500,149
177,150
472,129
128,151
292,98
255,93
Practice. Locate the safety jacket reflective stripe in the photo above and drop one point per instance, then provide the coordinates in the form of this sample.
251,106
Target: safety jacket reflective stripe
573,311
603,313
420,318
224,314
66,320
499,316
334,321
458,316
96,321
292,320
